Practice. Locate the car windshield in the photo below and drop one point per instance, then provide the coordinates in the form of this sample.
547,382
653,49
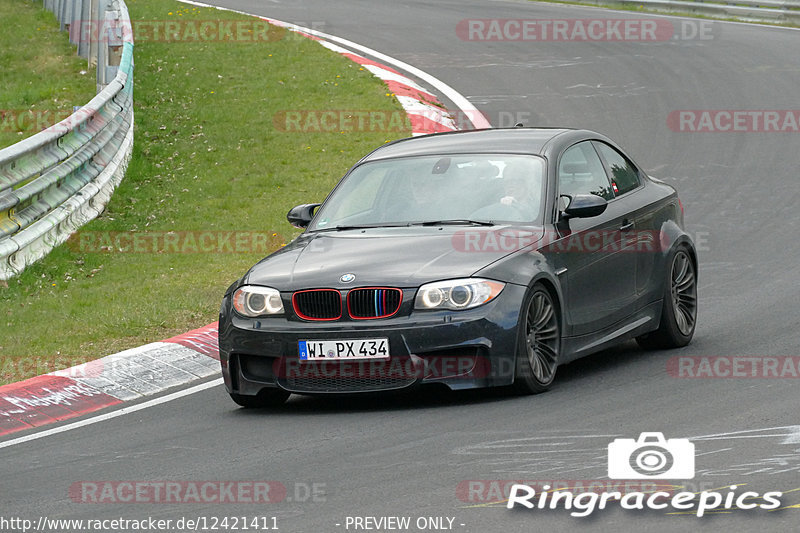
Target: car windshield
441,189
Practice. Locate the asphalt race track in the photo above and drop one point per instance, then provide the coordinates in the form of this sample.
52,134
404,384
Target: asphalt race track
414,455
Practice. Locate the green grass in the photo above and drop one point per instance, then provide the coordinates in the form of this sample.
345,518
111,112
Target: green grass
206,158
41,76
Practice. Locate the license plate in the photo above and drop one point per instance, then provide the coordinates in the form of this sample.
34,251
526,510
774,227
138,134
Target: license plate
344,349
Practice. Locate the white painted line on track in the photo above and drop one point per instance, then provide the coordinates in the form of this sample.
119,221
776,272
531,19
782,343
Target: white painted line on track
112,414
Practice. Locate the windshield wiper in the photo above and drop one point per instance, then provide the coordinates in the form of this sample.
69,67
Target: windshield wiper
361,226
450,222
454,222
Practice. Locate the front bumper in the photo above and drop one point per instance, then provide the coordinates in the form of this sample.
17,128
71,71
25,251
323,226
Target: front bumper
460,349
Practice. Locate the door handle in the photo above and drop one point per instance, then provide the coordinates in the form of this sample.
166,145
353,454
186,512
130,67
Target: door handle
626,225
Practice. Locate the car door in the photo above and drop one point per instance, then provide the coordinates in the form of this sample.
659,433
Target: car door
600,272
626,181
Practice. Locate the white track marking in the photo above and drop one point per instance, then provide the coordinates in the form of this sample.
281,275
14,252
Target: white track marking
113,414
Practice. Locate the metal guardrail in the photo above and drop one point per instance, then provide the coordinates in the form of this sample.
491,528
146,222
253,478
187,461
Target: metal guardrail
60,178
780,11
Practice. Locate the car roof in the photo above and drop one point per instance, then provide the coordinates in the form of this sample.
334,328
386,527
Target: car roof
495,140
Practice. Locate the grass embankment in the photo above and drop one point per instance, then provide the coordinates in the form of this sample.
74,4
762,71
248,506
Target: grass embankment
206,157
41,77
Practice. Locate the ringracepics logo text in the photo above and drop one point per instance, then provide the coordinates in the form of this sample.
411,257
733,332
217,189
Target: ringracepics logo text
586,503
651,456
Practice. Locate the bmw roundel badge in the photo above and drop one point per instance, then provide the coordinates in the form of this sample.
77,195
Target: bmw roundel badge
347,278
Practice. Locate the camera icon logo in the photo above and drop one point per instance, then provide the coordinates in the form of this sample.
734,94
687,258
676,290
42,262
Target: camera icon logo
651,457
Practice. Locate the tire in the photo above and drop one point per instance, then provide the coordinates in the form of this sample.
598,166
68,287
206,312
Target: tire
679,309
538,343
265,398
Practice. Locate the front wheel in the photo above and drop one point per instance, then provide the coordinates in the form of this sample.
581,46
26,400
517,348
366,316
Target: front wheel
539,343
265,398
679,310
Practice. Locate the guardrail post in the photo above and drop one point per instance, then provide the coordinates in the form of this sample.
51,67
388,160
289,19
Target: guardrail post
105,20
95,21
74,22
84,18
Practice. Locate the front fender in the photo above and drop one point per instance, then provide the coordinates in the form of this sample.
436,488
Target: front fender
527,267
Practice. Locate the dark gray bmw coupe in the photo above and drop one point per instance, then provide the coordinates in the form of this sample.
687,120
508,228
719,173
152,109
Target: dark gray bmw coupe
467,259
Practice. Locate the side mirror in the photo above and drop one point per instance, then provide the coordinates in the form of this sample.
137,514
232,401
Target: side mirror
300,215
585,206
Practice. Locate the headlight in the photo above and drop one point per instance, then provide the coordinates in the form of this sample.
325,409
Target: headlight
255,301
457,294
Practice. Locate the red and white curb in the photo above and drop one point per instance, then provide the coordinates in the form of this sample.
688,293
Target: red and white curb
121,377
153,368
425,112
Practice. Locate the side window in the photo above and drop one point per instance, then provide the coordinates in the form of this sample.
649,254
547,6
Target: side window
580,171
624,176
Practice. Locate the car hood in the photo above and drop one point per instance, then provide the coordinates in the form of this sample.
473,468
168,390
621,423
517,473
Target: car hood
398,257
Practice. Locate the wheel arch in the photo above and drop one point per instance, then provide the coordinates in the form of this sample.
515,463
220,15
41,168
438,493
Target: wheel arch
555,293
674,237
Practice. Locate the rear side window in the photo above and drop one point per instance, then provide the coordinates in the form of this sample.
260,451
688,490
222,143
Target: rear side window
624,176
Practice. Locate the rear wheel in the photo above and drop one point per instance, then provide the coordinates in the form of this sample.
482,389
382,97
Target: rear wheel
679,310
539,343
265,398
